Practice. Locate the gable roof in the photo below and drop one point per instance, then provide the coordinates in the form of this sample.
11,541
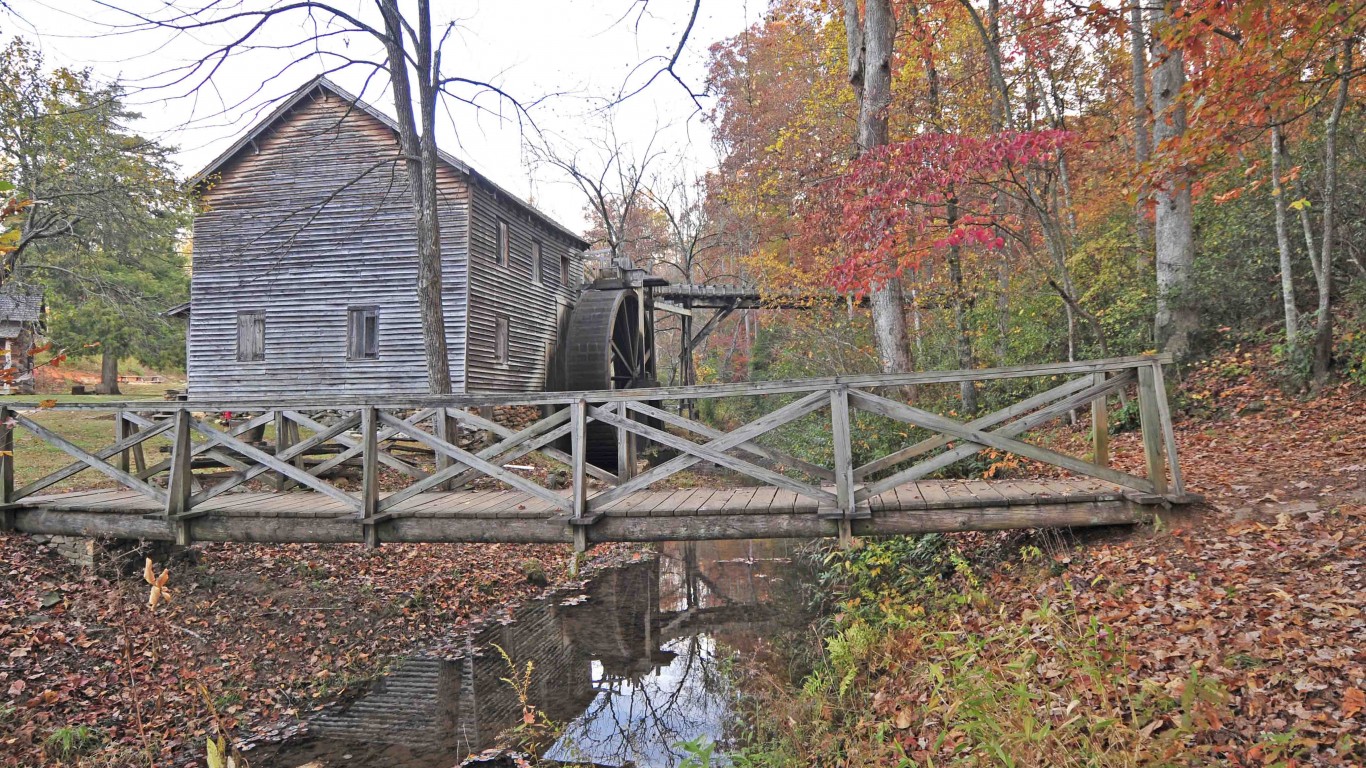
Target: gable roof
21,303
322,84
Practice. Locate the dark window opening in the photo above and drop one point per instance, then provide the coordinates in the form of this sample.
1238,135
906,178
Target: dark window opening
362,333
251,336
501,251
500,341
565,279
536,260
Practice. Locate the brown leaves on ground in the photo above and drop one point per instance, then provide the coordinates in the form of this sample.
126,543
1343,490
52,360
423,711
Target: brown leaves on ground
1259,592
272,632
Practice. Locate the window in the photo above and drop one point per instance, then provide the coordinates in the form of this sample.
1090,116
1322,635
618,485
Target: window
362,333
565,279
500,341
251,336
501,244
536,261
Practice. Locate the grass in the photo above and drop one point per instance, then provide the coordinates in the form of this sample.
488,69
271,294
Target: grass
69,742
933,674
91,430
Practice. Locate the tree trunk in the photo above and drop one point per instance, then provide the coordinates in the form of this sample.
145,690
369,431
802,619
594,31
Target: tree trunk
870,75
109,372
1292,314
1177,316
1138,48
961,306
1323,328
419,153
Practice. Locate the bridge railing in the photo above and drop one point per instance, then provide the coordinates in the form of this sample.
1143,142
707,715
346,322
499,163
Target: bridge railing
347,431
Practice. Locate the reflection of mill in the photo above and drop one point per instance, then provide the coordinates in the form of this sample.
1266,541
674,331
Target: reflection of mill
627,663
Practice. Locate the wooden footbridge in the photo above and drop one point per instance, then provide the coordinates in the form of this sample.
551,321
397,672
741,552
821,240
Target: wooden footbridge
263,489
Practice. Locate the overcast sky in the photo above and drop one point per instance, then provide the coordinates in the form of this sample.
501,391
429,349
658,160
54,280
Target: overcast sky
566,56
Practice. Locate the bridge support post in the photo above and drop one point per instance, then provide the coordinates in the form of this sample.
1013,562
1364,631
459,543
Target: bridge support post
6,470
180,479
844,462
1100,426
1150,422
369,435
578,439
446,427
282,443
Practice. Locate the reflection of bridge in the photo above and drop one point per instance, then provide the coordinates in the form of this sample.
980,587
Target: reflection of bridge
631,634
781,495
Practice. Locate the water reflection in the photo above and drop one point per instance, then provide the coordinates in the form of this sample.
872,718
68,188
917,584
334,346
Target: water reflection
632,664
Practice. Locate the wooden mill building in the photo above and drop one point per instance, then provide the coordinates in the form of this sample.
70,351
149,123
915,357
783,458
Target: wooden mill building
305,265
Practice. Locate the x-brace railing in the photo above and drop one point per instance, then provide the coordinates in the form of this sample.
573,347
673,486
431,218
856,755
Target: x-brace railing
366,432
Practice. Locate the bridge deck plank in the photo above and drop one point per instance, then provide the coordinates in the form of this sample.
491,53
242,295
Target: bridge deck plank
759,511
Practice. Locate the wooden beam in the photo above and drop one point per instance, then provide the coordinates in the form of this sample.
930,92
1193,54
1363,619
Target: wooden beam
1100,426
997,440
788,386
178,485
6,469
716,455
298,448
474,462
776,456
90,459
983,422
270,462
1150,424
762,425
369,435
353,447
80,466
673,308
217,527
1164,414
578,437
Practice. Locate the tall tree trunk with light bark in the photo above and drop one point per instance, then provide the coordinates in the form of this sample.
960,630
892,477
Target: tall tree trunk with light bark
1323,321
1138,53
870,40
1177,317
1292,313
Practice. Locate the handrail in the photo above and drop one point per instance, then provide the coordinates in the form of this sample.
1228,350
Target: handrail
700,391
843,491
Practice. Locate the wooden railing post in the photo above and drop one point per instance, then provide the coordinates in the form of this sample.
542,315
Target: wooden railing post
283,440
1100,425
844,461
1164,413
446,427
578,440
369,436
6,470
626,448
1150,421
179,483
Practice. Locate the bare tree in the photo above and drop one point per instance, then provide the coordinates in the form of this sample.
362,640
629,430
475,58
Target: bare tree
612,174
411,58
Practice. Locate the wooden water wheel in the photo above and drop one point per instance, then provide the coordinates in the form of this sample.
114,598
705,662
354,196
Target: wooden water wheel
608,344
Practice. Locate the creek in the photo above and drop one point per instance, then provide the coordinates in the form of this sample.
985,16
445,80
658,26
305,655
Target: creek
629,666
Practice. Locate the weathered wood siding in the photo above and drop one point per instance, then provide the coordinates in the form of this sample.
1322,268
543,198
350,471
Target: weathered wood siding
535,309
312,218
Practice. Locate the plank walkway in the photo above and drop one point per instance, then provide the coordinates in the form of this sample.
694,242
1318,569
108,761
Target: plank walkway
501,515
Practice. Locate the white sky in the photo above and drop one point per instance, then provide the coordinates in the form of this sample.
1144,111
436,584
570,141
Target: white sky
570,53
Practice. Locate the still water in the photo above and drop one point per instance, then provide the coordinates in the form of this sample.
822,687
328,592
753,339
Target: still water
629,666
